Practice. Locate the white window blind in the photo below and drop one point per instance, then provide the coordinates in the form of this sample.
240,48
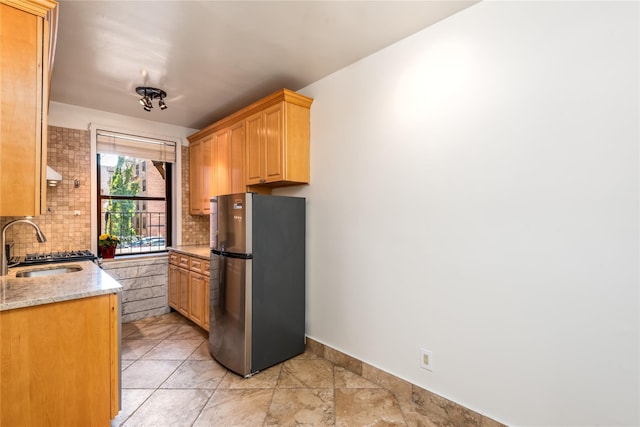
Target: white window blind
109,142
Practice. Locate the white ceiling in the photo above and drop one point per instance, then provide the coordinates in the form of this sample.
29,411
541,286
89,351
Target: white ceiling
214,57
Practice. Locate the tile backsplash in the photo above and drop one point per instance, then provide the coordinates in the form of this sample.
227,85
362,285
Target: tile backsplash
195,228
69,153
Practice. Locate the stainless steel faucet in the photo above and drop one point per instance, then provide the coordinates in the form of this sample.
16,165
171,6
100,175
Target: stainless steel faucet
4,265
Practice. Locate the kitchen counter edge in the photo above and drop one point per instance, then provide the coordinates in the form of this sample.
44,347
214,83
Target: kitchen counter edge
200,251
19,292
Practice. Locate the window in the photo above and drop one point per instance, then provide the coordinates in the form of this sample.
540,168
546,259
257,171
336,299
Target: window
122,193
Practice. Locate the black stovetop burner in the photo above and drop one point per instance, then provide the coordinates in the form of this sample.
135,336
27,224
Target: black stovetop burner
43,258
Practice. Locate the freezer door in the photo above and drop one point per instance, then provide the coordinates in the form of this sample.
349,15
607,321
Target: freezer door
232,223
230,313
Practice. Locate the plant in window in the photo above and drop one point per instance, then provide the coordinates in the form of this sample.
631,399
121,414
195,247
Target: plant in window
107,245
107,240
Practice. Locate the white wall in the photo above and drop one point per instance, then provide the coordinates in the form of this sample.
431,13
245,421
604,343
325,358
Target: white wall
475,192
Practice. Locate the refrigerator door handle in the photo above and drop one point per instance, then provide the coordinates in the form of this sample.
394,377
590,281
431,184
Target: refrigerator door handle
223,289
232,254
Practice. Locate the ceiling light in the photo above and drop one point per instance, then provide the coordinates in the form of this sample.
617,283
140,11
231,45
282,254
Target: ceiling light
148,95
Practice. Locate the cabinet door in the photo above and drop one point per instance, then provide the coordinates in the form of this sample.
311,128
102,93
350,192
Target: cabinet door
207,303
60,363
236,159
183,292
198,299
23,123
222,162
253,149
273,143
174,286
209,180
202,180
195,178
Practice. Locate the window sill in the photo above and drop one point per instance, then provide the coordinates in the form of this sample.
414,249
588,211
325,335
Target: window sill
134,258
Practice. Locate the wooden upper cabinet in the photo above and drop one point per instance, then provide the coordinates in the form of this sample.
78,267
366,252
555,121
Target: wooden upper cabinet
195,177
277,148
202,177
254,141
263,145
221,163
274,144
23,106
236,158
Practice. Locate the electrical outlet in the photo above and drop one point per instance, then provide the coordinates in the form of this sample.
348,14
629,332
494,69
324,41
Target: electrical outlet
426,359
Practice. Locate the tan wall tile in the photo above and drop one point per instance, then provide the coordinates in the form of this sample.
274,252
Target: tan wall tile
195,228
69,152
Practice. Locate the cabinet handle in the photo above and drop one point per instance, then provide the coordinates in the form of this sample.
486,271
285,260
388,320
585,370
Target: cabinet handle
262,180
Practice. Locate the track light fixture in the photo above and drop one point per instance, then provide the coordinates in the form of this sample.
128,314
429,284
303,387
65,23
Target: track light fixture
149,94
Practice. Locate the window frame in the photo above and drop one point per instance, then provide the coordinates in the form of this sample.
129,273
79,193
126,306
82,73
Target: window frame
157,131
168,199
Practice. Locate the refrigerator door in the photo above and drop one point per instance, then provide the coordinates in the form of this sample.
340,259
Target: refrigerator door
234,216
230,314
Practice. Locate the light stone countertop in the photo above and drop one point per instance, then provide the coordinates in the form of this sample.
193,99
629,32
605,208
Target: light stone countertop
200,251
18,292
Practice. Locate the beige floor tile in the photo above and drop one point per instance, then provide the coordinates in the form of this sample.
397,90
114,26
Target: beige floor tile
175,408
128,329
148,373
417,416
155,331
202,352
124,364
228,407
307,355
172,317
173,349
203,374
367,407
189,332
131,400
169,378
310,373
265,379
135,349
301,407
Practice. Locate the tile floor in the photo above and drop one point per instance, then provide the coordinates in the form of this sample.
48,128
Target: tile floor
170,379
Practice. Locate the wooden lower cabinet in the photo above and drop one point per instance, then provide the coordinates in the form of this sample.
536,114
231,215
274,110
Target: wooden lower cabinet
60,363
174,281
198,303
189,287
184,295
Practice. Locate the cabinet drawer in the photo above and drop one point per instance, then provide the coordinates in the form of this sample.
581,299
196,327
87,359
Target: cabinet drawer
173,258
199,265
183,261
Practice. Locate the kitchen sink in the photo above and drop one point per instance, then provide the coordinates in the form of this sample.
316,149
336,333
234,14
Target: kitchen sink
39,272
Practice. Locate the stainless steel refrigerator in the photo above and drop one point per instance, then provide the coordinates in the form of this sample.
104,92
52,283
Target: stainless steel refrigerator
257,280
